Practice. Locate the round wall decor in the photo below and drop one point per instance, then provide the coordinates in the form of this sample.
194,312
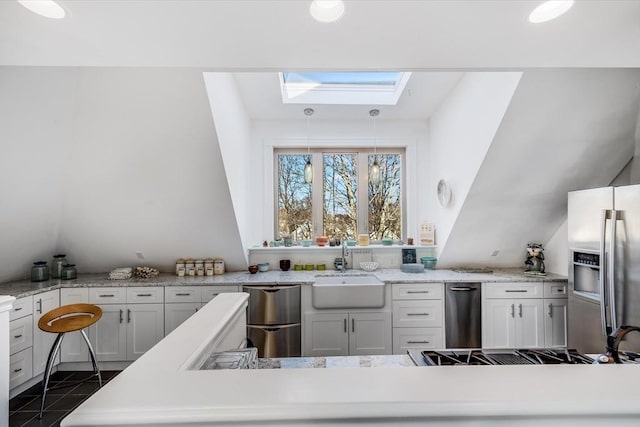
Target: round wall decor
444,193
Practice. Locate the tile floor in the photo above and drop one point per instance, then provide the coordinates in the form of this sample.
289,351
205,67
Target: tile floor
25,407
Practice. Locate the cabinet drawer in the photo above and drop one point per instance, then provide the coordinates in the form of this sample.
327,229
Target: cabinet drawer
20,367
416,291
73,295
425,313
555,290
21,307
107,295
182,294
145,295
210,292
513,290
20,334
422,338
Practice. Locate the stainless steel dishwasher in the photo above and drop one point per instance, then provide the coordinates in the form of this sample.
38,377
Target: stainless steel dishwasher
463,321
273,319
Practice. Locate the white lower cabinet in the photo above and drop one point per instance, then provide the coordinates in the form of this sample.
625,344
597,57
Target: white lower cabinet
342,334
513,323
555,322
145,328
418,316
176,313
21,341
132,321
42,341
20,367
73,348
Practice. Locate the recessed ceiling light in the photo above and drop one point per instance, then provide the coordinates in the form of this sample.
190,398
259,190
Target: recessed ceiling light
326,10
549,10
46,8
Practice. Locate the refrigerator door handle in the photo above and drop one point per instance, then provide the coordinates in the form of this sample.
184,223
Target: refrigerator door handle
603,264
611,272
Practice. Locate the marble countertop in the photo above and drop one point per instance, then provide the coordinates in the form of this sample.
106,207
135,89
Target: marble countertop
382,361
23,288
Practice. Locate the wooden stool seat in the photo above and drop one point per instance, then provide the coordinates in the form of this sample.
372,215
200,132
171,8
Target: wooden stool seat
61,320
69,318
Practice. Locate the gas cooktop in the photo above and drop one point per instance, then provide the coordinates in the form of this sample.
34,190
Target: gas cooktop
498,357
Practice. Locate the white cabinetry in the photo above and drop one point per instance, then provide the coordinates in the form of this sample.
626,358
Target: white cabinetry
42,341
21,341
555,315
181,302
515,315
344,333
132,321
418,316
73,348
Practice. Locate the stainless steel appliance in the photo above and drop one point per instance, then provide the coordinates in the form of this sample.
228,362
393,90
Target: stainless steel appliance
604,267
273,319
463,315
497,357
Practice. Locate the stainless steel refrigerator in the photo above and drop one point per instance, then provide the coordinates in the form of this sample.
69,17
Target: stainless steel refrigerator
604,266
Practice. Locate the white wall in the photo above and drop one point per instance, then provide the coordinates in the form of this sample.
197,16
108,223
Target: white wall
233,129
556,252
145,173
410,134
36,119
460,133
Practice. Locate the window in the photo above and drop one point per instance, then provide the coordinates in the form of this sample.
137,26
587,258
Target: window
341,202
343,88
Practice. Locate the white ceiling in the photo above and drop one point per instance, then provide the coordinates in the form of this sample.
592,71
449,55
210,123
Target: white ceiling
263,35
262,99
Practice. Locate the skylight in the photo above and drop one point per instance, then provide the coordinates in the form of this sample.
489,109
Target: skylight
349,87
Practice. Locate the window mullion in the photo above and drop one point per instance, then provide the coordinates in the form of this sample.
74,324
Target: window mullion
363,192
318,194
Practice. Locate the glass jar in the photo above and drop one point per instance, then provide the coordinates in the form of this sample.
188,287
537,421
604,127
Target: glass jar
69,272
218,266
56,265
39,271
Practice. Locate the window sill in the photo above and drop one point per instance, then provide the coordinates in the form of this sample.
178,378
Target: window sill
337,248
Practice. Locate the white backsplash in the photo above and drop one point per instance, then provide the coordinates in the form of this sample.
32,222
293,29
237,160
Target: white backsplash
385,256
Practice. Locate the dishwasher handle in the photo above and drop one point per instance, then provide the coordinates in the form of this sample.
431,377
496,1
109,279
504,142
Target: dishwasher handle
462,289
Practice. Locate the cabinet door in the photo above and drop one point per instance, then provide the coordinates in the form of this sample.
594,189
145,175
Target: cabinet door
108,335
20,334
210,292
73,348
43,341
176,313
555,323
370,333
326,334
145,328
529,323
498,322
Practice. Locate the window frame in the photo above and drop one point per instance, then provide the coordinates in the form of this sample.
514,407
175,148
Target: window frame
317,192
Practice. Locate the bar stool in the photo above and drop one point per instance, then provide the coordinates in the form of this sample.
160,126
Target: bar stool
68,318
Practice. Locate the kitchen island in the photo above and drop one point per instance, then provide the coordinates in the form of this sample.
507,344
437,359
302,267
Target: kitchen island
165,387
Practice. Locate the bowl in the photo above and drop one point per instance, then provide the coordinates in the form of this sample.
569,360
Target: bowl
412,268
369,265
322,240
253,269
387,242
351,242
263,267
429,262
306,243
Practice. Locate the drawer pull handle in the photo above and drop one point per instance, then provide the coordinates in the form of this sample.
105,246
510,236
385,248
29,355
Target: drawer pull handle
18,336
106,296
184,294
17,370
417,292
144,295
418,342
417,314
517,290
17,309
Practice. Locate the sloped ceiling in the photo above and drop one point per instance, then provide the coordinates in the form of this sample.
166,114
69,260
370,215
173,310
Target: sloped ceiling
563,130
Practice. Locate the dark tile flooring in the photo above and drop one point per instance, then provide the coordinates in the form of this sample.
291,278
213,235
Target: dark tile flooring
25,407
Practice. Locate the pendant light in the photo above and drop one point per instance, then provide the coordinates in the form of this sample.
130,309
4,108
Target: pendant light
374,171
308,168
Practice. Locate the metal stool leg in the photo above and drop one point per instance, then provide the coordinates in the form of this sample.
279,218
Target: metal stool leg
47,373
93,357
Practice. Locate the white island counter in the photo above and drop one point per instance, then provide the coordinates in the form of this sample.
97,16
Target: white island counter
161,389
